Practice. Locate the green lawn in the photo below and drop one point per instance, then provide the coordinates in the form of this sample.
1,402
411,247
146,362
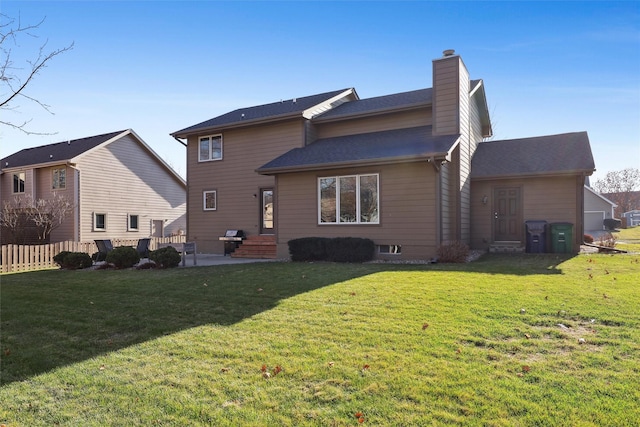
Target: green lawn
401,345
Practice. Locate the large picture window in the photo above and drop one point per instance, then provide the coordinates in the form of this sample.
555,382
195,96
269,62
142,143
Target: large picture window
349,199
210,148
18,182
59,179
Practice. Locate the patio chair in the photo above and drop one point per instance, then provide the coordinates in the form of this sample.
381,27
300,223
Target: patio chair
143,247
104,247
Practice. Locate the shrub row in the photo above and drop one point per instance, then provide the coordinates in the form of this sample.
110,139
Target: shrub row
456,252
337,249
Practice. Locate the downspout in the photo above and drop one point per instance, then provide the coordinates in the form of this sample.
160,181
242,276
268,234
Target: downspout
187,198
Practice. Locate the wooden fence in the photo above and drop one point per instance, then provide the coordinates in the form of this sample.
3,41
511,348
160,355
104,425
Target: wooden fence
37,257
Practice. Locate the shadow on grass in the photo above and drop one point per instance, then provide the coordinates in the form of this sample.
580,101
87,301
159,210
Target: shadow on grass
55,318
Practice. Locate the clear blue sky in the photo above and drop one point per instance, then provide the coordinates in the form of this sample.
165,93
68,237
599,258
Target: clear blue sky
158,67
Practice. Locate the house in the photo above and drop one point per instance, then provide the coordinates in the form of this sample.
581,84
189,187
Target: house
409,170
118,186
597,208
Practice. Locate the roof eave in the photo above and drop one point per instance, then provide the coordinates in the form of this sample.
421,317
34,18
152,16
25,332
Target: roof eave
235,125
584,172
360,163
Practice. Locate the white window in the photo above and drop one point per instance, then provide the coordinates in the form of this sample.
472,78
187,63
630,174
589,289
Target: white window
132,222
59,179
18,182
209,200
349,199
210,148
99,221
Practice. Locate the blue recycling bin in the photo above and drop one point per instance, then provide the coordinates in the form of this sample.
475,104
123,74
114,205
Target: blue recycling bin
536,237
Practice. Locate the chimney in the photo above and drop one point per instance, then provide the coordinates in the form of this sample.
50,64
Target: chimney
450,94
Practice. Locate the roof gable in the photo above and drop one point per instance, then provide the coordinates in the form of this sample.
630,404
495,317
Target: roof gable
399,145
567,153
57,152
272,111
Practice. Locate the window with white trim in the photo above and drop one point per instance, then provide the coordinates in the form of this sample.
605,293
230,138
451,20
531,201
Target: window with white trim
99,221
59,179
132,222
351,199
18,182
209,148
209,200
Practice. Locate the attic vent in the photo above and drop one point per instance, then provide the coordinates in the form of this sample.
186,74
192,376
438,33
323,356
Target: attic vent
295,100
448,52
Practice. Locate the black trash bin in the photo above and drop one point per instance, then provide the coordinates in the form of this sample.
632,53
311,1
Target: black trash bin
536,237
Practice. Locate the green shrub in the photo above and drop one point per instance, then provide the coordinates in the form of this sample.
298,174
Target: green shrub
338,249
73,260
165,257
456,252
123,257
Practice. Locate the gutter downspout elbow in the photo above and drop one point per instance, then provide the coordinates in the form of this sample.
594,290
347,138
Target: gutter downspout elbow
177,139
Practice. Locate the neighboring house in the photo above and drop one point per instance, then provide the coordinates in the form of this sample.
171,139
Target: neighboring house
631,218
119,186
396,169
597,208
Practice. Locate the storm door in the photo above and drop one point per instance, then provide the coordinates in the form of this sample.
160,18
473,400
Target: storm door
267,211
507,214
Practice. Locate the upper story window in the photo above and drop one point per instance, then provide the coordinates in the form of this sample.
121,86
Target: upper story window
210,148
349,199
99,221
59,179
18,182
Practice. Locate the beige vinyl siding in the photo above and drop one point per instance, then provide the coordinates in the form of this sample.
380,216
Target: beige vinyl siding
122,178
407,209
401,120
235,180
552,199
45,191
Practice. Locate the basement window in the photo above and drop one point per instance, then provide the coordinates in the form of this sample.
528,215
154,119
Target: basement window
390,249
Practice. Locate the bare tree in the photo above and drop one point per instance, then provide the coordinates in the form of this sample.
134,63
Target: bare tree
621,188
45,215
14,78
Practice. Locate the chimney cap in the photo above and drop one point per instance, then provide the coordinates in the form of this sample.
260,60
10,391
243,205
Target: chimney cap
448,52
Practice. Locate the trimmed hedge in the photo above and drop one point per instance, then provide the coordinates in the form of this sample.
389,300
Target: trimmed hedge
337,249
73,260
123,257
165,257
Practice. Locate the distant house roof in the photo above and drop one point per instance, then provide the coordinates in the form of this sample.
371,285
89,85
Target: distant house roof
595,193
275,110
57,152
396,101
566,153
70,150
369,148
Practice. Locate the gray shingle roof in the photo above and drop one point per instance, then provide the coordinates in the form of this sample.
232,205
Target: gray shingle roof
548,155
57,152
369,148
380,103
273,110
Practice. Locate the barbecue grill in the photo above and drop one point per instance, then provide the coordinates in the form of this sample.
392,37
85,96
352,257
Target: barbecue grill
232,239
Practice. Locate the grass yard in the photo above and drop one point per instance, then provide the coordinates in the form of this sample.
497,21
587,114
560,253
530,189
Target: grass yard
504,341
628,239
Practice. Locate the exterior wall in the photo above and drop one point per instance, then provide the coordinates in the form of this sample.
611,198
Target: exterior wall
235,180
408,119
552,199
407,209
122,178
44,180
